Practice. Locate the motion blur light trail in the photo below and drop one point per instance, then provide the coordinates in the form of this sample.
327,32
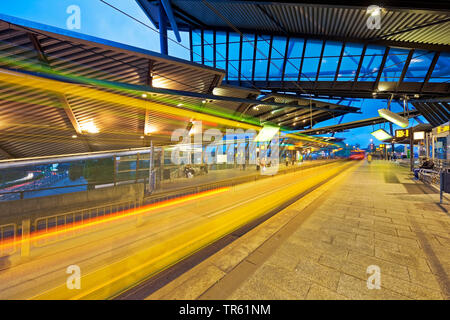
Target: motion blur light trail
107,281
57,86
112,217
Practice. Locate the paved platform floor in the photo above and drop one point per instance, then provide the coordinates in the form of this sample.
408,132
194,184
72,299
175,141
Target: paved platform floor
371,216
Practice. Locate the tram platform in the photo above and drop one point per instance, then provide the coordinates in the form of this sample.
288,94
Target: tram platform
326,245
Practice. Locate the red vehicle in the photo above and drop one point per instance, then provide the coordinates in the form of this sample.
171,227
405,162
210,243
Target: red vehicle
357,155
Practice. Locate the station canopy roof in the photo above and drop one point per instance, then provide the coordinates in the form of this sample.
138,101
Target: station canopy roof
64,93
323,48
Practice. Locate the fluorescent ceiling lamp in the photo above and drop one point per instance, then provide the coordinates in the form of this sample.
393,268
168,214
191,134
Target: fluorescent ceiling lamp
381,135
266,133
420,135
393,117
89,127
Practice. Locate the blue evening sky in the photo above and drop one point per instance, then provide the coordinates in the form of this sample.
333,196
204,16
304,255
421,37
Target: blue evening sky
100,20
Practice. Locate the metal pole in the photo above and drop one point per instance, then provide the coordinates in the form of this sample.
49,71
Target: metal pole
137,168
162,29
150,167
115,170
161,170
411,148
404,110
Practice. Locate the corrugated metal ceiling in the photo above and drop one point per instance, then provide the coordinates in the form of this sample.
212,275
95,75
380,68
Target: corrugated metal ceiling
342,22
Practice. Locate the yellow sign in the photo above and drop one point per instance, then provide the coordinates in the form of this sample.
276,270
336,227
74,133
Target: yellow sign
402,133
443,128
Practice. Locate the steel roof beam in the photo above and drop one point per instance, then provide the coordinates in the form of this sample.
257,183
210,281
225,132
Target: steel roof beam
430,70
339,65
405,68
73,120
379,42
145,88
286,52
61,98
6,154
320,62
356,124
269,57
380,71
440,110
302,59
169,13
358,70
425,111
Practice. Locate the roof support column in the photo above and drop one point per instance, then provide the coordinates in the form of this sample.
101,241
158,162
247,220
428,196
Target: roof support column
162,29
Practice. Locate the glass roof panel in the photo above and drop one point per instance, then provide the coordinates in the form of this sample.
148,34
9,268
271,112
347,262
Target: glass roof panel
418,66
394,64
196,37
350,61
294,53
248,43
197,53
371,63
370,67
313,48
276,58
441,72
262,54
196,46
208,44
221,37
330,60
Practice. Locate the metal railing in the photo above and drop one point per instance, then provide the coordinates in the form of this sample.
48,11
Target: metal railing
8,234
171,194
21,193
64,220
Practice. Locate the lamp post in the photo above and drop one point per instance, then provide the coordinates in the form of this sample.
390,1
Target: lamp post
411,148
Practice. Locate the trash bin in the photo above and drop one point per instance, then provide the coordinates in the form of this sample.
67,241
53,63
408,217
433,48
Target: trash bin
166,174
445,181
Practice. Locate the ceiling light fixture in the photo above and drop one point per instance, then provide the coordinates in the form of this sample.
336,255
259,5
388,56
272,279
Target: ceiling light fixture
393,117
89,127
381,135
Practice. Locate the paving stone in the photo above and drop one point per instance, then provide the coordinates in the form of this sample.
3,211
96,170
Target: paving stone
320,274
195,286
402,259
317,292
363,222
284,279
355,288
386,267
253,289
409,289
